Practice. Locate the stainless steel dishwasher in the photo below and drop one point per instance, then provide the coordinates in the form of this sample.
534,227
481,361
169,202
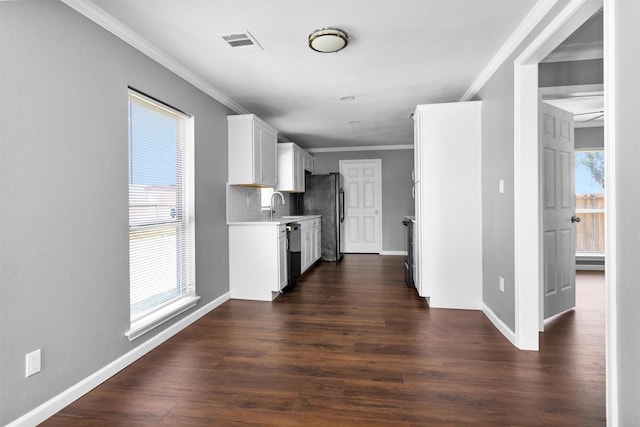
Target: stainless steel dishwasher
294,235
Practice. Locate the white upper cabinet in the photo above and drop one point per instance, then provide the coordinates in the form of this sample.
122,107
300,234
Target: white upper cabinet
252,151
291,162
308,162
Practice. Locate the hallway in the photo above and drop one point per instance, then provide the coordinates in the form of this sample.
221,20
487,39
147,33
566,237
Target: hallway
350,344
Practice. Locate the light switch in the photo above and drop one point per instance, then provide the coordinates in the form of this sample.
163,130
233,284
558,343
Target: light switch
501,186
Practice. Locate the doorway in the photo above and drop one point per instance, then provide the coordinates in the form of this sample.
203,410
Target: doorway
526,181
527,210
362,205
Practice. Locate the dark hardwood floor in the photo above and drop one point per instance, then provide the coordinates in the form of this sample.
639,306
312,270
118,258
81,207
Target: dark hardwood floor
350,344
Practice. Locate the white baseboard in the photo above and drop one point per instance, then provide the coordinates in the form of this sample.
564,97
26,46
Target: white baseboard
62,400
499,324
404,253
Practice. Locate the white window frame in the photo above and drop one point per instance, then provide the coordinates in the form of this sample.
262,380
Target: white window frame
184,226
591,260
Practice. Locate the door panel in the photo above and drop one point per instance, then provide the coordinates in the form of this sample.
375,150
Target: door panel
363,208
559,236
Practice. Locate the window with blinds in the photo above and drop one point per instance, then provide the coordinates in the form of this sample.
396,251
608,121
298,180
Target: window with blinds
161,218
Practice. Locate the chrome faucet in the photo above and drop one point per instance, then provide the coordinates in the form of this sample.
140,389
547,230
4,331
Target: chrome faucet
272,205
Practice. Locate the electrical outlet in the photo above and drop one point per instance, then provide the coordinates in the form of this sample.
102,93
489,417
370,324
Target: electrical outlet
33,363
501,284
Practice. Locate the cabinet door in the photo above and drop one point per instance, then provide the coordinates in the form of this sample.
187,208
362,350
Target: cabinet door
282,261
298,170
417,148
269,157
318,241
417,240
256,160
243,160
308,163
252,156
307,251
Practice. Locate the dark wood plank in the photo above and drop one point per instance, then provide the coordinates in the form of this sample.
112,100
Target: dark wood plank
350,344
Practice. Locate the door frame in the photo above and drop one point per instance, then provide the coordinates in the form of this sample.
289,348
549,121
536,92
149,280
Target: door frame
341,163
527,210
527,214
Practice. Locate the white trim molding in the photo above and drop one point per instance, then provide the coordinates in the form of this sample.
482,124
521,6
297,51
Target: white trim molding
360,148
611,231
403,253
499,324
576,52
68,396
117,28
527,221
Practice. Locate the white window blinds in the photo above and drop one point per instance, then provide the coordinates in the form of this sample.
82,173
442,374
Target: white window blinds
161,220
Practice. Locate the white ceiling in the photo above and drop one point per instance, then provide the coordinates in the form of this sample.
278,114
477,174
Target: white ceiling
401,53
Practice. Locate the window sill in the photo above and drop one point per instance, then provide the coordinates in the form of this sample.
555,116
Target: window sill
144,325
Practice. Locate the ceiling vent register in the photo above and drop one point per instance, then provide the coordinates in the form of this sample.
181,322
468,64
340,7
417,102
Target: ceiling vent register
242,41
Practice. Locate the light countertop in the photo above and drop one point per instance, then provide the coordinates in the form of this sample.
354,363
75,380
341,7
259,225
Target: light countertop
275,220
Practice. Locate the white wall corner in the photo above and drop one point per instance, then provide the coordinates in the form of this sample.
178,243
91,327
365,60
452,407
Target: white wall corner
499,324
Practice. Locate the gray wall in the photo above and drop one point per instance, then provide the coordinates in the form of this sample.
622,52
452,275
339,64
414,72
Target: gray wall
64,284
571,73
497,163
627,93
396,188
589,138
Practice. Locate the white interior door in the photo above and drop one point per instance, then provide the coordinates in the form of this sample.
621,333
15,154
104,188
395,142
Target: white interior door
363,205
558,206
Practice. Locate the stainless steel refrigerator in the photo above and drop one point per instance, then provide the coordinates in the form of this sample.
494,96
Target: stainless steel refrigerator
324,196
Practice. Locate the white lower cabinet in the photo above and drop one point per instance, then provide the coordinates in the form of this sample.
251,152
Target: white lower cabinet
306,257
258,257
257,261
317,239
283,248
311,242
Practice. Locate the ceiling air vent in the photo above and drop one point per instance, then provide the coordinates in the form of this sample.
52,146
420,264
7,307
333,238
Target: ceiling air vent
241,41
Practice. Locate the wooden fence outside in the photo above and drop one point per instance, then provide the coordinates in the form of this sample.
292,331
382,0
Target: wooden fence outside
590,229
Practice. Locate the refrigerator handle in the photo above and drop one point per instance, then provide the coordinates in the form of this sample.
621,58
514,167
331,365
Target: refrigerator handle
341,206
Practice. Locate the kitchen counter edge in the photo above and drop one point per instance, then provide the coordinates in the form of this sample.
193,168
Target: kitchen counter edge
274,221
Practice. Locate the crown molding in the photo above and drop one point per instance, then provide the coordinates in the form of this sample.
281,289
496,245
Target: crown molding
360,148
590,124
533,18
576,52
126,34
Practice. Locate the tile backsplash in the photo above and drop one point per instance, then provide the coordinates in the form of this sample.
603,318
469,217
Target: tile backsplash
245,203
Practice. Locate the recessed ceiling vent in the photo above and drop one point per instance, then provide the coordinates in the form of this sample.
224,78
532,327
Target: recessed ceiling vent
241,41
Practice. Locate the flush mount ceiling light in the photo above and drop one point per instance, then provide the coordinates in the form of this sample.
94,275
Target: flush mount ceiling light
328,40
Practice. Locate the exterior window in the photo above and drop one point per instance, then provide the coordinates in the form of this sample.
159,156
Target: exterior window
161,219
589,182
